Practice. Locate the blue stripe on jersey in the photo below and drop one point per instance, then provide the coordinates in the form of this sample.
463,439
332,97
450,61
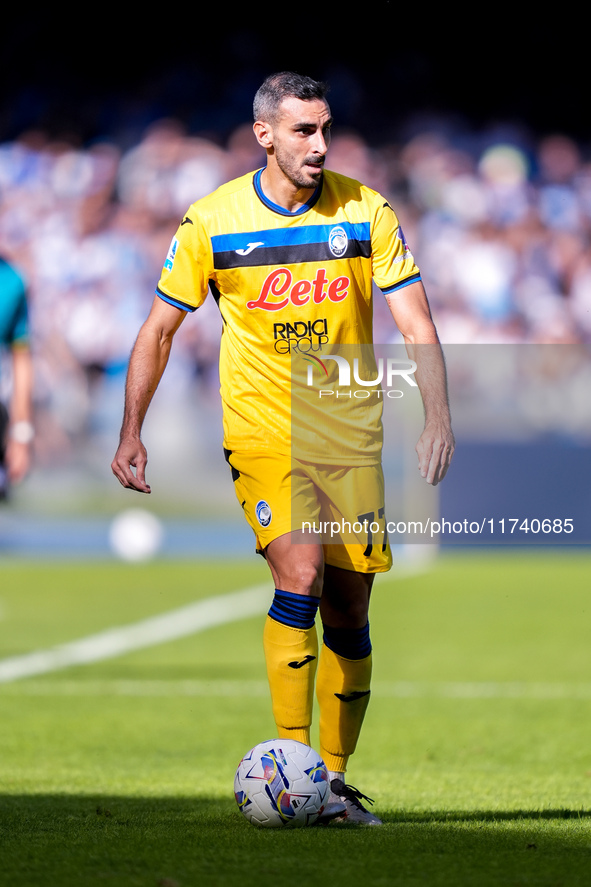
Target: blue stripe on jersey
392,289
306,234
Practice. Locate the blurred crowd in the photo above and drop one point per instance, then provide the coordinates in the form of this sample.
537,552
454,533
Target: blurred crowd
499,226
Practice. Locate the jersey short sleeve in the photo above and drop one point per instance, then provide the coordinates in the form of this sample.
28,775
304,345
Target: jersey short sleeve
393,264
188,266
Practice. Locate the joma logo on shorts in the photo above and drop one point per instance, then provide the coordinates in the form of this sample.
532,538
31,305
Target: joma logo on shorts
279,290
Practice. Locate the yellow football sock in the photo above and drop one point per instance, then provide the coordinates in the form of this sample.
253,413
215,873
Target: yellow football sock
291,655
343,690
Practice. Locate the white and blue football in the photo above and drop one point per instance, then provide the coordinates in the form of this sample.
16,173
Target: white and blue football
281,783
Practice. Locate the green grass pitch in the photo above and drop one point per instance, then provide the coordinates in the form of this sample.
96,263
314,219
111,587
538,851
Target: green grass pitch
476,746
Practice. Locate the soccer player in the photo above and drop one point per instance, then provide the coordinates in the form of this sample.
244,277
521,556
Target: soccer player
16,427
292,243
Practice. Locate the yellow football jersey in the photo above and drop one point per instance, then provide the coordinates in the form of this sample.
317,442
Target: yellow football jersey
286,284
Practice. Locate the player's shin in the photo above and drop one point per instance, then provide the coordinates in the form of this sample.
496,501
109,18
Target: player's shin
290,645
343,691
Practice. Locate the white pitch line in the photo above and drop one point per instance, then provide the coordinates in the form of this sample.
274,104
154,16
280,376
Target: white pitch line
113,642
184,621
126,687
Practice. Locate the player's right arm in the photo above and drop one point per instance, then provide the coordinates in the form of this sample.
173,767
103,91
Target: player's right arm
397,275
147,363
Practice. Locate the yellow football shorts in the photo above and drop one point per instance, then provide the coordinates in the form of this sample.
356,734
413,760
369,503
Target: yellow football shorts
342,508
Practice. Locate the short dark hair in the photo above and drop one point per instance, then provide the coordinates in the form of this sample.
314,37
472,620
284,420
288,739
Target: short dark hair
285,84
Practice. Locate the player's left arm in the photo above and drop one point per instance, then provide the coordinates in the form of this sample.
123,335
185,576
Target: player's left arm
410,309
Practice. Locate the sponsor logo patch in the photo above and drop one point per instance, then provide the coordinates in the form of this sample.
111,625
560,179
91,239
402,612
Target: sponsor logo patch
171,254
301,335
407,253
279,289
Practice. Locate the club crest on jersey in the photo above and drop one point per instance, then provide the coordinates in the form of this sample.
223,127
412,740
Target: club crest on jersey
338,241
263,513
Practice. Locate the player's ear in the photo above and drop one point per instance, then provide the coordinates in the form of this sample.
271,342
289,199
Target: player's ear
263,134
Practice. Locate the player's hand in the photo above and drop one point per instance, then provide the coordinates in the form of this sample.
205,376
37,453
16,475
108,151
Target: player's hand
435,449
131,454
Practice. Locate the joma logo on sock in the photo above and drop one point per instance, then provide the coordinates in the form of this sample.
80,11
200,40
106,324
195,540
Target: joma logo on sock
301,664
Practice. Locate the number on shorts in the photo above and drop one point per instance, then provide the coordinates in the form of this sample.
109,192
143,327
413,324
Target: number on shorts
369,517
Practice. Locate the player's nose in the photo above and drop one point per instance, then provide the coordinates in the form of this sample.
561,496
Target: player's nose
321,143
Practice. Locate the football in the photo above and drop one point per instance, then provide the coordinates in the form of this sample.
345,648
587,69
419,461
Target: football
281,783
136,535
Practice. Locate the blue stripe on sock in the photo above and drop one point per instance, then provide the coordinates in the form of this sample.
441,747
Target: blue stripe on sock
295,610
350,643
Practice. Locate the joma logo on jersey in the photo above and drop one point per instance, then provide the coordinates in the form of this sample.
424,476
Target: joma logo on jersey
279,290
302,336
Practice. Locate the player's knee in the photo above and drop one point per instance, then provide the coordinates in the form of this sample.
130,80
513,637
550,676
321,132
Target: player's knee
346,611
345,598
297,568
302,577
